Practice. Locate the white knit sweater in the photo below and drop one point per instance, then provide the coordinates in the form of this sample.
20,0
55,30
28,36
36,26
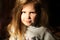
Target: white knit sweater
38,33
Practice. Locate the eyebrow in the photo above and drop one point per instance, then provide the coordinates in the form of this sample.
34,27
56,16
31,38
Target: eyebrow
23,11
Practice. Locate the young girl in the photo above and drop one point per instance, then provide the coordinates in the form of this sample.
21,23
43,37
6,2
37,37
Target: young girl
29,22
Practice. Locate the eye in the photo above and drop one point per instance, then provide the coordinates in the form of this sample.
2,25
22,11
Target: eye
23,12
33,12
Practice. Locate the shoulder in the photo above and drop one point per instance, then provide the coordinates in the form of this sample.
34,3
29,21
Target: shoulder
40,32
48,36
36,30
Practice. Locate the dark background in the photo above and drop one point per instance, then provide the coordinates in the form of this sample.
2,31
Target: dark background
54,14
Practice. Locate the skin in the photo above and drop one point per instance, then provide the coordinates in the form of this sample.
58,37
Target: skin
28,14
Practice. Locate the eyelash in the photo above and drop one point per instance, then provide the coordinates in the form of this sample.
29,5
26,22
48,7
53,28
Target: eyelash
30,12
22,12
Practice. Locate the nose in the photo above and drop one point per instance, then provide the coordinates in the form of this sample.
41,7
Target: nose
28,15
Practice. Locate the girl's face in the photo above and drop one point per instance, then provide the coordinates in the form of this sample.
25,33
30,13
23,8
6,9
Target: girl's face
28,14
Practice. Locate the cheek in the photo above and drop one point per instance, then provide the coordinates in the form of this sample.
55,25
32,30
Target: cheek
22,17
33,17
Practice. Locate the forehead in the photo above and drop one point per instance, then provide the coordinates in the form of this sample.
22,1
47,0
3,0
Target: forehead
29,6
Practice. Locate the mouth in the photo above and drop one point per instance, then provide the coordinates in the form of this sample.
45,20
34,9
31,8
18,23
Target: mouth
28,21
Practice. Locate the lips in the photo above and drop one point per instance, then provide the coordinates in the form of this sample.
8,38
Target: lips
28,21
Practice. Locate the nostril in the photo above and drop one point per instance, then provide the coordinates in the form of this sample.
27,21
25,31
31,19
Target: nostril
28,16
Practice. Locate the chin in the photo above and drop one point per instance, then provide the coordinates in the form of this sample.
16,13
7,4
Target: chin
28,24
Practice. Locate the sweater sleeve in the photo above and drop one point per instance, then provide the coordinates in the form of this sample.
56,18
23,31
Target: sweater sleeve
48,36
